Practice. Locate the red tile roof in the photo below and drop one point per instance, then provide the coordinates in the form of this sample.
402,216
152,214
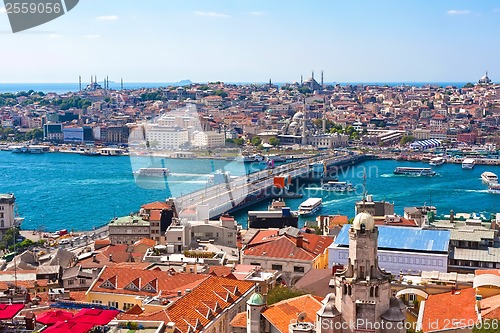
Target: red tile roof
145,241
438,314
155,215
212,296
240,320
490,307
281,314
135,282
286,247
263,235
156,205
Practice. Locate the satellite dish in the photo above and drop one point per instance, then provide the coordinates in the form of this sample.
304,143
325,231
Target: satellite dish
301,317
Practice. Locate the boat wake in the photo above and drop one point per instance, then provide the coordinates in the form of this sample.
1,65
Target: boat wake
476,191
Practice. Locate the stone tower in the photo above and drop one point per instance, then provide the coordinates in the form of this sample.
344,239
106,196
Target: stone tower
255,305
363,291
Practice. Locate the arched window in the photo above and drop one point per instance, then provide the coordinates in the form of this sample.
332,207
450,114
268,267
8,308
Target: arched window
376,291
344,289
349,290
371,291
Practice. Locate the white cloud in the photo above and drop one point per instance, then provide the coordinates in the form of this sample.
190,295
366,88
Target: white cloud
256,13
54,36
94,36
458,12
210,14
3,10
107,18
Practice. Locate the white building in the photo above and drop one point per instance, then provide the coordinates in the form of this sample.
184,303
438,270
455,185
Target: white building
208,139
166,137
7,214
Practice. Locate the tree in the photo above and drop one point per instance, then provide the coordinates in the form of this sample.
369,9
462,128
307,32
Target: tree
36,133
239,141
280,293
256,141
406,139
469,85
274,141
221,93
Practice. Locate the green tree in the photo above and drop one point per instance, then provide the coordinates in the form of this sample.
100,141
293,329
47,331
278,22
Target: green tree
34,134
221,93
280,293
256,141
469,85
406,139
274,141
239,141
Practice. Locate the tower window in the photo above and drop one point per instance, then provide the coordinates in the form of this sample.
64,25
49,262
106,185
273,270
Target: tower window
344,289
349,290
376,291
371,291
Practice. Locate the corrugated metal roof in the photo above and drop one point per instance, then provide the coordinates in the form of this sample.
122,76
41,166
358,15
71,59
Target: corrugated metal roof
404,238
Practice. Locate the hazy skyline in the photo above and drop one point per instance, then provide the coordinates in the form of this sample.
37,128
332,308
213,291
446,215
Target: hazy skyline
253,41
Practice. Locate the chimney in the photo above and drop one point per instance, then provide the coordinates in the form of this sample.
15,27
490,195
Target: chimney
188,291
299,241
94,258
110,257
179,293
452,216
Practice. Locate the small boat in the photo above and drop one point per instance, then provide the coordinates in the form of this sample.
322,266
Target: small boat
277,204
436,161
409,171
310,206
19,149
92,153
468,163
489,178
494,188
152,172
112,152
335,186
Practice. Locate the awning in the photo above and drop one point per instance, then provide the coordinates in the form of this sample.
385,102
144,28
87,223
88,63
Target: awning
9,311
95,316
52,317
69,327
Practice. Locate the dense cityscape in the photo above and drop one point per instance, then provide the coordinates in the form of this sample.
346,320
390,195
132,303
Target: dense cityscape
249,167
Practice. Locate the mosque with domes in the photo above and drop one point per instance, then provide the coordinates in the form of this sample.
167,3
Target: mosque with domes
485,79
300,130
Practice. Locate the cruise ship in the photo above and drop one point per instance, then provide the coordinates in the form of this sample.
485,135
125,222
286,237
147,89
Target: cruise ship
152,172
468,163
435,161
489,178
494,188
333,186
310,206
409,171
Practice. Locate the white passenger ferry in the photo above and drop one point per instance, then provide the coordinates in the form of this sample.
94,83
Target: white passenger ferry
468,163
414,171
310,206
489,178
333,186
435,161
152,172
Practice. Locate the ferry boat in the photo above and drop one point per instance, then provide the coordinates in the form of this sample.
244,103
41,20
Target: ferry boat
276,158
335,186
250,158
489,178
278,215
152,172
310,206
112,152
19,149
468,163
494,188
409,171
435,161
90,152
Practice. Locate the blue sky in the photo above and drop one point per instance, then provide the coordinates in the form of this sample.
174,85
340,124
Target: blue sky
254,40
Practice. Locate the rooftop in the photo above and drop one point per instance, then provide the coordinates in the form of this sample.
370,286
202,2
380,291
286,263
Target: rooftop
129,220
403,238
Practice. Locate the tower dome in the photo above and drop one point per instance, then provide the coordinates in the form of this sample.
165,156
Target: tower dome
298,115
256,299
363,221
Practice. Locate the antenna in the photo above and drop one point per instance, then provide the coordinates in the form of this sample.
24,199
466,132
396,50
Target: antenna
301,317
364,184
